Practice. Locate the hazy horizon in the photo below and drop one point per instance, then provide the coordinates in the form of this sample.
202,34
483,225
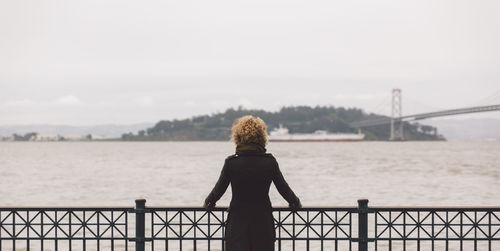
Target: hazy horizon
455,118
468,128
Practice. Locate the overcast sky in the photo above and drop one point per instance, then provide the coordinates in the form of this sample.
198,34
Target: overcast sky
123,61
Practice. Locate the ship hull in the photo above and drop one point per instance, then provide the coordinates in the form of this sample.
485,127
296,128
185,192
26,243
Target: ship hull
281,135
315,140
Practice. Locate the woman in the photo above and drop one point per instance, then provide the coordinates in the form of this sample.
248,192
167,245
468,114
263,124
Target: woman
250,225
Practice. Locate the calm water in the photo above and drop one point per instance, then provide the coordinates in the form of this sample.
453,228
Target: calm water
182,173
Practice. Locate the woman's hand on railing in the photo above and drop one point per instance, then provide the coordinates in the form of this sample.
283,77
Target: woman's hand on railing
208,205
295,205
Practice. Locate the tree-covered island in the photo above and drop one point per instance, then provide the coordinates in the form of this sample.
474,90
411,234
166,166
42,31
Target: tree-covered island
298,119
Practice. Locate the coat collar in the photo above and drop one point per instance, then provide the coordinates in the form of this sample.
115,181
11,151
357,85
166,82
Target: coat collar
250,148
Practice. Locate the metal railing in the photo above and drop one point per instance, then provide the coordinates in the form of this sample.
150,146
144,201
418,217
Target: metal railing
359,228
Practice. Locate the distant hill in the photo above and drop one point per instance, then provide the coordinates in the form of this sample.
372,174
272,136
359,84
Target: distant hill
298,119
109,131
467,129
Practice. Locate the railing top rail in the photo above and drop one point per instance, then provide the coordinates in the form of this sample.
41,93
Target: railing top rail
315,208
431,208
65,208
274,208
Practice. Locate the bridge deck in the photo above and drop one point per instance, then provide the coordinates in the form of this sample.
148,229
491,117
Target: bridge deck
421,116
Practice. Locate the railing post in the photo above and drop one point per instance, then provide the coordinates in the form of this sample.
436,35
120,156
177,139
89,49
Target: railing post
363,225
140,206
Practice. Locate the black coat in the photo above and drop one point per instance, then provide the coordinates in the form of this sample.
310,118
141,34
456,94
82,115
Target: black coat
250,223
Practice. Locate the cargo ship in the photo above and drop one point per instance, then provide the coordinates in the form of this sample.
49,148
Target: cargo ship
281,135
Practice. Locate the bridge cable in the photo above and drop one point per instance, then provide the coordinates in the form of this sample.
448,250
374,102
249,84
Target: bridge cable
383,108
427,107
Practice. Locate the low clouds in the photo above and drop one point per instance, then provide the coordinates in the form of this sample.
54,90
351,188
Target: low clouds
357,97
68,100
67,67
189,103
222,104
145,101
72,100
219,104
246,103
19,102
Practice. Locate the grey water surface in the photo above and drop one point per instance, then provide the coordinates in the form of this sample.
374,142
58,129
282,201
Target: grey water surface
182,173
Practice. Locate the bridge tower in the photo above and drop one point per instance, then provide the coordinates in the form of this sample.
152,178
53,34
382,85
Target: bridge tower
397,112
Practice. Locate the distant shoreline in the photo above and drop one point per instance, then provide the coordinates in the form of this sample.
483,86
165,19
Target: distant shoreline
270,142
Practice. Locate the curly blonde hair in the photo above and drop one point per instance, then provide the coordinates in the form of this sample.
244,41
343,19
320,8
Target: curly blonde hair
249,129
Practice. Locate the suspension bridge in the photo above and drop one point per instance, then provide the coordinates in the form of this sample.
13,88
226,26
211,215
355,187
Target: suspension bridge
397,119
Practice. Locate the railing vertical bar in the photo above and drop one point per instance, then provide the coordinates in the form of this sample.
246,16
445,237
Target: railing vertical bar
337,231
376,227
308,226
166,231
404,230
418,231
27,231
390,231
153,232
55,231
41,230
14,230
126,231
350,231
447,228
475,230
208,227
98,231
70,230
293,230
194,220
363,225
1,232
180,229
280,225
322,232
84,230
489,230
140,207
112,231
461,231
223,232
433,213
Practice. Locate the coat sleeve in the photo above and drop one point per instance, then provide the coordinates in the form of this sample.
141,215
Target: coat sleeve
283,187
219,188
